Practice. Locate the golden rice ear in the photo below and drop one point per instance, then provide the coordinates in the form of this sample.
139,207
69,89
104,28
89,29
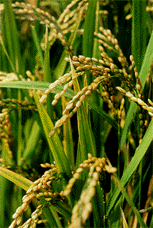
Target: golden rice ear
13,224
149,109
137,100
150,113
121,89
150,102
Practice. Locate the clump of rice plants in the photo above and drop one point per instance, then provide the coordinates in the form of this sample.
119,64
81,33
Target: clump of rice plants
76,109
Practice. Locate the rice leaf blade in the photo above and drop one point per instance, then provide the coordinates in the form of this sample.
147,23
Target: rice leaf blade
142,149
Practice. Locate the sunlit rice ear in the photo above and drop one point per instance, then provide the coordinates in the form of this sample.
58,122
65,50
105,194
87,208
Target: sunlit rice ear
120,89
150,102
150,113
150,109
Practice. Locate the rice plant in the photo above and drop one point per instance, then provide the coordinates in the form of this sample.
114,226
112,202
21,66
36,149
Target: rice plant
76,109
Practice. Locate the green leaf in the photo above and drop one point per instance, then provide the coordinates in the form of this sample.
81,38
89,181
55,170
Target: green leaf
89,28
46,66
88,35
35,85
54,142
39,50
111,121
86,138
68,138
63,210
17,179
131,204
3,189
147,61
32,143
139,35
142,149
128,121
12,38
99,207
52,217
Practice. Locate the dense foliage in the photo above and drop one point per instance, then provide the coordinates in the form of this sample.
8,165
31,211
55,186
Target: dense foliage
76,108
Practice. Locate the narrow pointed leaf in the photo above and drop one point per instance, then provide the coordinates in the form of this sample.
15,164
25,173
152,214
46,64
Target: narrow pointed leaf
142,149
54,142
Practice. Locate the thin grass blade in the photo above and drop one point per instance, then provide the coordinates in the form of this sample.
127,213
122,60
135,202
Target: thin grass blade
130,202
54,142
86,138
142,149
139,35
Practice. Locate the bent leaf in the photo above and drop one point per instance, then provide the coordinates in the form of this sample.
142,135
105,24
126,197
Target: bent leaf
142,149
